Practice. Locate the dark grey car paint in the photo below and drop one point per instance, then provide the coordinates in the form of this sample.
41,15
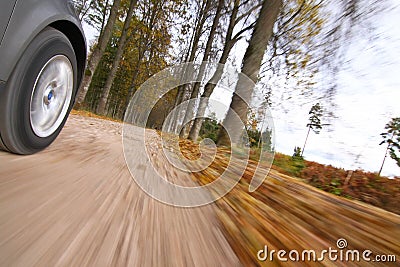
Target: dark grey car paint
27,20
5,13
2,86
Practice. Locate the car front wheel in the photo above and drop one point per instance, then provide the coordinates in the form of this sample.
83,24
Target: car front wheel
39,94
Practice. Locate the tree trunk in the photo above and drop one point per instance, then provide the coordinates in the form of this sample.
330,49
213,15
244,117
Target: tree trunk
194,45
144,42
252,59
182,89
199,29
209,88
206,55
103,20
305,142
384,158
97,53
101,108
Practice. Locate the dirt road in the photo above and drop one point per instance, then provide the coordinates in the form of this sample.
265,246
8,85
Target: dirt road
75,204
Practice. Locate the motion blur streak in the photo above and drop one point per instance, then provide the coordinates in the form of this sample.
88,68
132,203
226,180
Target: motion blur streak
75,204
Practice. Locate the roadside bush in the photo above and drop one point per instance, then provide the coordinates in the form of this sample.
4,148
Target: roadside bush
364,186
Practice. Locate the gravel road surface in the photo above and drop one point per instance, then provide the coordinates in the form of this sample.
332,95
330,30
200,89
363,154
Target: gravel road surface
76,204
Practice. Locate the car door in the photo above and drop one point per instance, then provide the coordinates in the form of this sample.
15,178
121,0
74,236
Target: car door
6,8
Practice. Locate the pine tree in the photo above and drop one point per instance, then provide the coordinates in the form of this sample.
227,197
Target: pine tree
314,124
392,138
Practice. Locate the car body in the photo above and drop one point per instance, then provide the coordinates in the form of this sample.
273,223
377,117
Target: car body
28,30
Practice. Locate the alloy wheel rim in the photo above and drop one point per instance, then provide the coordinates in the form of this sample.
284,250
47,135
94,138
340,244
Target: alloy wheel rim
51,96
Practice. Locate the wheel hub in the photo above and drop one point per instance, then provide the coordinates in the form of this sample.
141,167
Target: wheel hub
48,96
51,96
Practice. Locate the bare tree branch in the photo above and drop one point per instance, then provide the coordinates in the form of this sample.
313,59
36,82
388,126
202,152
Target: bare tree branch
251,26
247,13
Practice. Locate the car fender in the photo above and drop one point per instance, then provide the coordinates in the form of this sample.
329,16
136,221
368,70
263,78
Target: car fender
28,19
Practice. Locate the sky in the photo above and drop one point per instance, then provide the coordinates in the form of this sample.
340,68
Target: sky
368,97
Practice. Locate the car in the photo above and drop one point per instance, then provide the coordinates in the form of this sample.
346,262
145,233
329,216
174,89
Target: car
42,62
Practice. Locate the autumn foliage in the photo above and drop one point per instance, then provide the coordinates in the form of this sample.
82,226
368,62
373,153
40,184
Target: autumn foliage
287,213
359,185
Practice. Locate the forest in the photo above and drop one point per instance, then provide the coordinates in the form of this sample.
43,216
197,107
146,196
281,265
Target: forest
286,49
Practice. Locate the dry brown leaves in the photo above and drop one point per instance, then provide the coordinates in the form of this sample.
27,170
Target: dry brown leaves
285,213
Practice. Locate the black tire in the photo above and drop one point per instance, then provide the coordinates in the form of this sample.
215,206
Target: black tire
17,134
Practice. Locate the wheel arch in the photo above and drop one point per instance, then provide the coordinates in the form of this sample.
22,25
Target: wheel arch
28,20
78,42
17,131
